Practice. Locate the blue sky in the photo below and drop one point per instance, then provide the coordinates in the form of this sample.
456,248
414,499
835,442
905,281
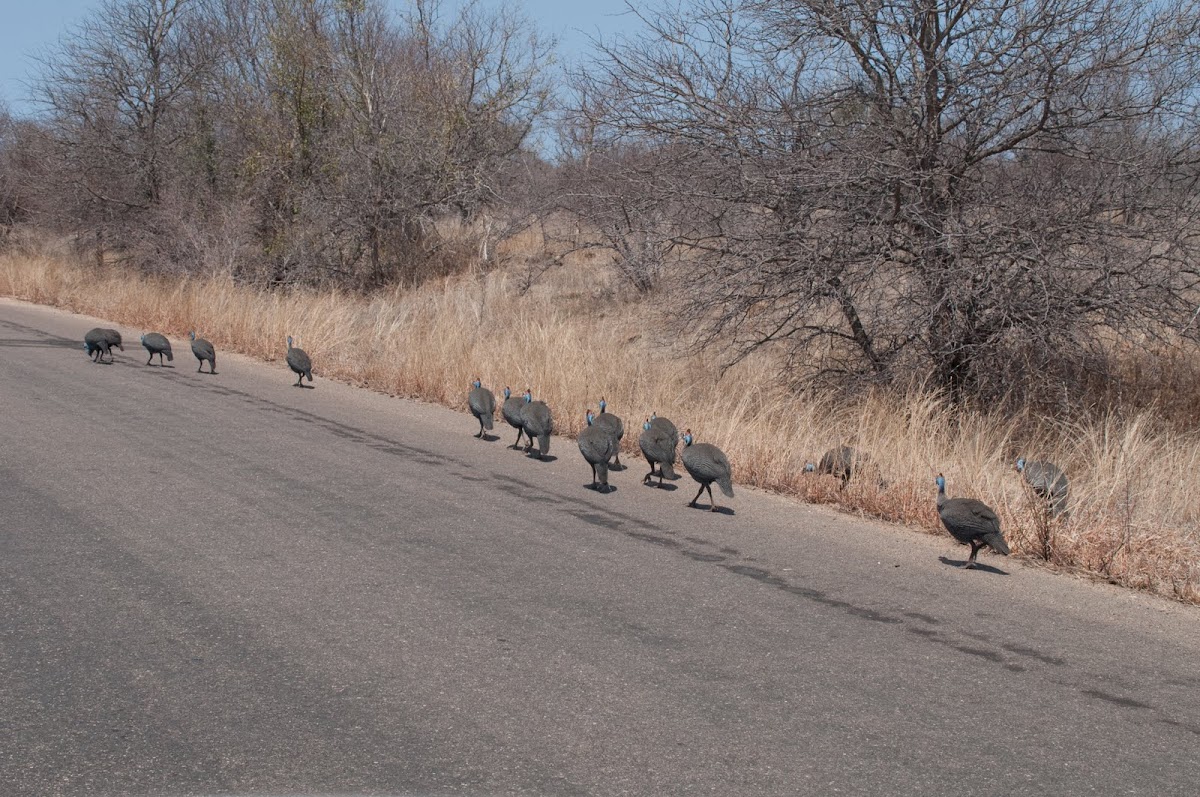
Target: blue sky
31,25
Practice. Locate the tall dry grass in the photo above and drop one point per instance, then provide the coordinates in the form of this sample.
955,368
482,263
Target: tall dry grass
1135,484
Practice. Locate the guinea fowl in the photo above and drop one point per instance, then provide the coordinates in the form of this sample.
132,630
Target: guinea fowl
536,421
483,406
668,428
511,410
298,360
615,426
841,462
203,351
597,445
157,344
99,341
707,464
659,449
1048,481
971,522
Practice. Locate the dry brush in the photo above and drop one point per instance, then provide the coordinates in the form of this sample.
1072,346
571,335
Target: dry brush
1135,492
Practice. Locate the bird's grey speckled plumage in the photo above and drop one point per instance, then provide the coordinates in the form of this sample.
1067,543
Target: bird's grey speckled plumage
615,427
537,422
99,341
971,522
1048,481
483,406
841,462
157,344
597,445
707,464
511,410
300,363
204,351
659,449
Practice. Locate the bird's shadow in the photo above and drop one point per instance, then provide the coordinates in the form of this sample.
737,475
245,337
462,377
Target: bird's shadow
664,486
489,438
543,458
721,510
978,566
304,387
618,467
603,489
164,365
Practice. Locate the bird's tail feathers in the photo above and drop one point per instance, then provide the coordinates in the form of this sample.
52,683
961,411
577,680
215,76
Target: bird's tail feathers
544,442
668,471
487,421
996,542
170,357
726,485
602,472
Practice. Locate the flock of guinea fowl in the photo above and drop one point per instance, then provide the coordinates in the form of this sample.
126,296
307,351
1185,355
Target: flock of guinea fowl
969,521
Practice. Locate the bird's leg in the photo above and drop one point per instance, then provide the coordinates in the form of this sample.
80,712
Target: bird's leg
151,360
970,563
649,477
299,379
712,502
698,494
200,370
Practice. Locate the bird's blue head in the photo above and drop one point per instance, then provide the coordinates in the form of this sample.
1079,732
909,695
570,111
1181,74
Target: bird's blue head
687,437
646,425
603,404
143,338
809,467
528,396
654,416
590,417
507,392
289,341
192,335
87,345
476,383
941,483
1020,464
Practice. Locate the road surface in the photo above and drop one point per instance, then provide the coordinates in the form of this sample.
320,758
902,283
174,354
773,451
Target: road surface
228,585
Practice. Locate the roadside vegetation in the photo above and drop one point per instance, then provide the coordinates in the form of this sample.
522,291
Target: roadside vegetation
1135,482
946,233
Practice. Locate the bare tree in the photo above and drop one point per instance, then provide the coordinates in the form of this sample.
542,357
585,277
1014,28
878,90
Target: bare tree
436,115
112,88
939,187
10,195
306,140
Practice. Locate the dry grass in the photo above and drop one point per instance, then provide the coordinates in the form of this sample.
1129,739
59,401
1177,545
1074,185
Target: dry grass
1135,489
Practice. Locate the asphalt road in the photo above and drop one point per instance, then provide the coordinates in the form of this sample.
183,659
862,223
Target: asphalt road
224,584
